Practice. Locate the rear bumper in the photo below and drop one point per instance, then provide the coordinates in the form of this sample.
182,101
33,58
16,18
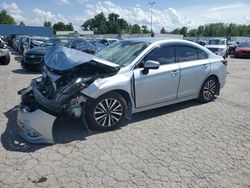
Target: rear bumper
35,127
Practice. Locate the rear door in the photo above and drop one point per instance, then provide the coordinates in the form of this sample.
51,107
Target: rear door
195,67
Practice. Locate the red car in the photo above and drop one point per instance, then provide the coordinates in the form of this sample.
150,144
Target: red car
243,50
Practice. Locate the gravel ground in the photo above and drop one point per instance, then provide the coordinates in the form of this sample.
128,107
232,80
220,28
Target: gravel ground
182,145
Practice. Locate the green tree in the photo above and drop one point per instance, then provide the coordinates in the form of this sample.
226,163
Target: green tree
183,31
21,23
144,29
98,24
192,33
60,26
163,30
47,24
136,29
5,18
102,25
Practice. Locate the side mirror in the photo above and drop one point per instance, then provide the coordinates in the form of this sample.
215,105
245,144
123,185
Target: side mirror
150,64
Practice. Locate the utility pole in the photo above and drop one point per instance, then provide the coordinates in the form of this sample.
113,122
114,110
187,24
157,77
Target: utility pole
151,5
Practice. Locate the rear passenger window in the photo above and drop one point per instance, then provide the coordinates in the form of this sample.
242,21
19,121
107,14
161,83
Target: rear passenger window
202,54
164,55
186,53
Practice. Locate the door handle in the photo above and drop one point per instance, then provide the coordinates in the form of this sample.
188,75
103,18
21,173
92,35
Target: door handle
174,73
204,66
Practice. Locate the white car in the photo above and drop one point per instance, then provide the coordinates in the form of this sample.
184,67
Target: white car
218,46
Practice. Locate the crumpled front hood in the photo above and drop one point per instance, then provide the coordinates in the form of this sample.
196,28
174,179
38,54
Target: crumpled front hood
63,59
37,51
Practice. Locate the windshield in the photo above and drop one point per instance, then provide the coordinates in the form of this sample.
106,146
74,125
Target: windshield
55,42
217,42
38,41
244,45
123,52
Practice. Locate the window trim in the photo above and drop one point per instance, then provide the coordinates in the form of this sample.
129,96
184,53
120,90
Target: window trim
189,46
156,46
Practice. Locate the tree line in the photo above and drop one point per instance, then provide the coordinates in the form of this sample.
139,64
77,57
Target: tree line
213,29
113,24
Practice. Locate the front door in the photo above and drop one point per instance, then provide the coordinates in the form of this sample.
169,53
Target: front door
157,85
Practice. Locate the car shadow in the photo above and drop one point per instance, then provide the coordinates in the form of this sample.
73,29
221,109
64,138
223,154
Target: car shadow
23,71
69,130
64,131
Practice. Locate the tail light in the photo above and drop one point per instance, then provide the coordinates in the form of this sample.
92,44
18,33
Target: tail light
224,61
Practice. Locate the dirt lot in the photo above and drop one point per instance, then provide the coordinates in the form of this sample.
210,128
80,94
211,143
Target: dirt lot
183,145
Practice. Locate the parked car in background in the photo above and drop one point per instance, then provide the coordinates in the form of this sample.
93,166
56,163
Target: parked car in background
16,40
21,44
218,46
107,41
126,77
81,45
10,39
98,46
231,47
4,53
242,50
201,42
33,59
34,41
3,44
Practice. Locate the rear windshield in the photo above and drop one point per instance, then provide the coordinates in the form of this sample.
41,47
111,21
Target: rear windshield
216,42
55,42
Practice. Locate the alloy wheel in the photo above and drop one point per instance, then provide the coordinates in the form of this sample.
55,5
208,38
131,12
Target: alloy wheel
108,112
209,90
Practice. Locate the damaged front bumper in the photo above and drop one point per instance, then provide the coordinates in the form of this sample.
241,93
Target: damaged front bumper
35,127
35,118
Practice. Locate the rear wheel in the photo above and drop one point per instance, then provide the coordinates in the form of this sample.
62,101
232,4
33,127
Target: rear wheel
208,90
106,112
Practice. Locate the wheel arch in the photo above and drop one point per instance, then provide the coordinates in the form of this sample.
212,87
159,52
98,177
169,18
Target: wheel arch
217,81
127,98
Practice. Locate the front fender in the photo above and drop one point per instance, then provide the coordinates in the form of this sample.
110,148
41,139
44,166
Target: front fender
103,85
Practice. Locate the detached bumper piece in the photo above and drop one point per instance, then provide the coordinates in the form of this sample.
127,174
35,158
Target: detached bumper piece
35,127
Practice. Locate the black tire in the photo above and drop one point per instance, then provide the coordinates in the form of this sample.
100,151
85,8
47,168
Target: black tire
5,60
208,90
103,117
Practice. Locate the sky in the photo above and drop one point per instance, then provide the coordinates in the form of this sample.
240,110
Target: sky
170,14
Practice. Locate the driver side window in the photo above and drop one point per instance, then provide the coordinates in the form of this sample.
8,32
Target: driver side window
162,54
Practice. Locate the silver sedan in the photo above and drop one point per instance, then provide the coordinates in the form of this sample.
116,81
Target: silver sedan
126,77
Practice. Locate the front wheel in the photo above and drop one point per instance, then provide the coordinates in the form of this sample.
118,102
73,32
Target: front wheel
106,112
208,90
